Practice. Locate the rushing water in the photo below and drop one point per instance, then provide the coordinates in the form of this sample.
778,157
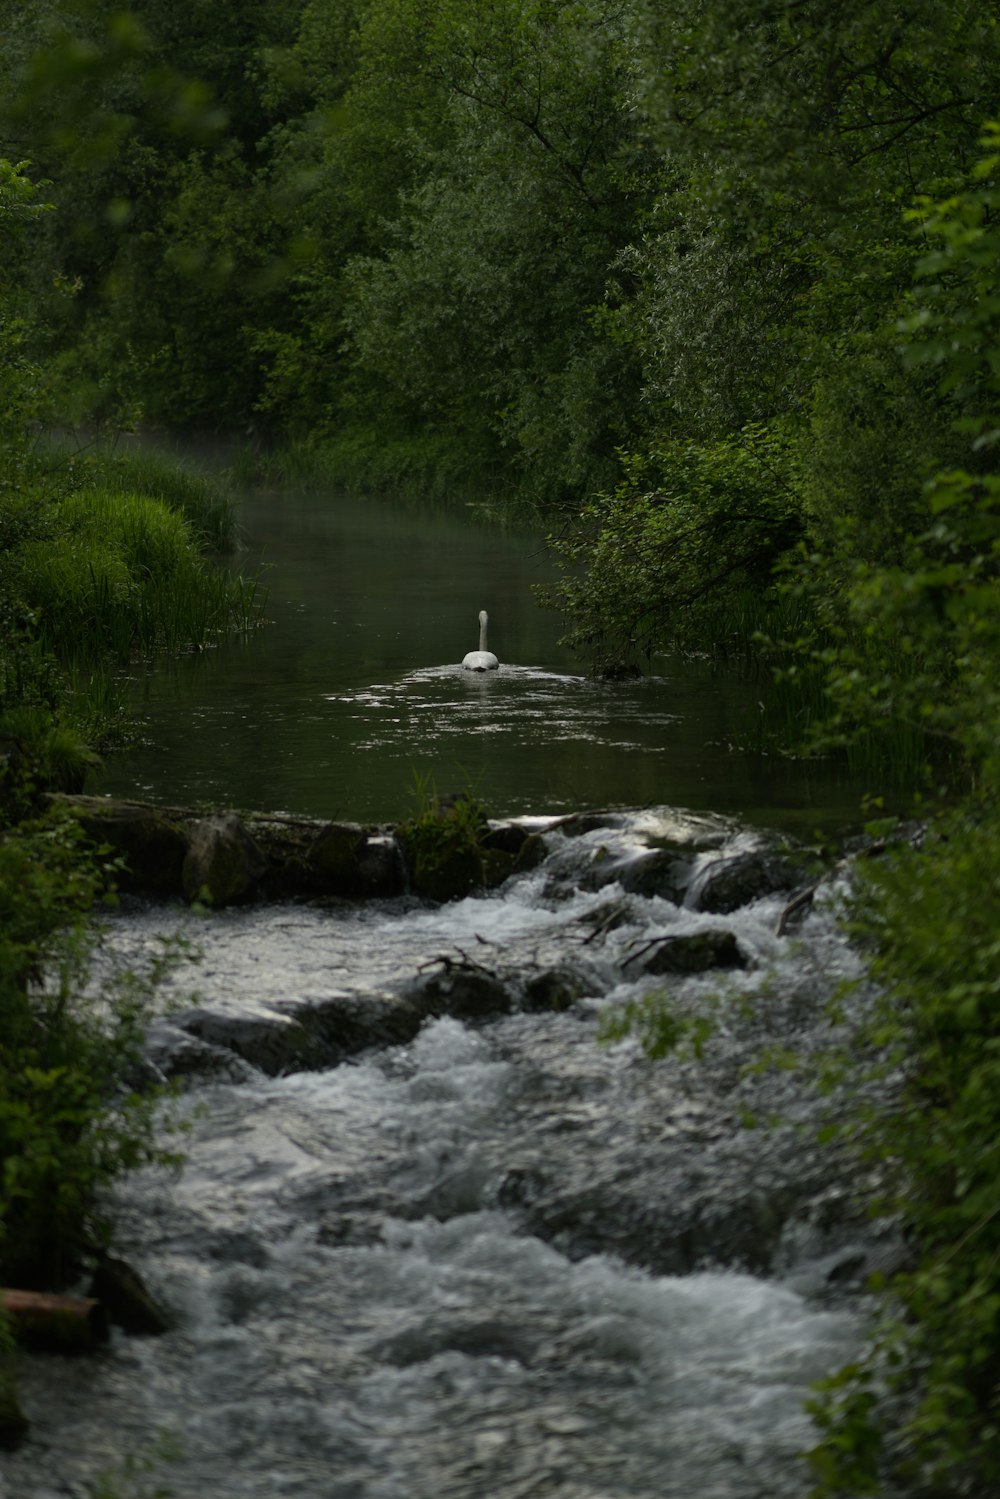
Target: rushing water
354,692
499,1260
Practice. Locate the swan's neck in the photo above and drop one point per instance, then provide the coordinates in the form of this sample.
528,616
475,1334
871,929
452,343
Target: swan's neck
482,629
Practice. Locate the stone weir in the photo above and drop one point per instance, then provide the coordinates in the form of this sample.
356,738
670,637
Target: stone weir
225,858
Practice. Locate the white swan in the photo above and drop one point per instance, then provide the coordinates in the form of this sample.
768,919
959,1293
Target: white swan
481,660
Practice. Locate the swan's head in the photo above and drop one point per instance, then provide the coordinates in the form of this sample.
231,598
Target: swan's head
483,617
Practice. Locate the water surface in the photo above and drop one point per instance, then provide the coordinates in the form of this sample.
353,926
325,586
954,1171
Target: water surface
354,695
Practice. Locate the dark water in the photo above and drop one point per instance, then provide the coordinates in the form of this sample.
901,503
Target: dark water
354,695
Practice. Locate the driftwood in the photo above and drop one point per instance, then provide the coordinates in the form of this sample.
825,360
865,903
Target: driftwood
58,1324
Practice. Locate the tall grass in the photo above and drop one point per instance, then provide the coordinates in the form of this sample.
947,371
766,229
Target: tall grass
777,638
204,499
431,465
206,503
112,573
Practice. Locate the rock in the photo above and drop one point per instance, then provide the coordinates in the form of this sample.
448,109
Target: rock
128,1303
380,867
691,952
575,824
555,989
662,871
313,1034
273,1044
345,1024
461,990
509,849
728,884
152,844
170,1054
222,864
333,860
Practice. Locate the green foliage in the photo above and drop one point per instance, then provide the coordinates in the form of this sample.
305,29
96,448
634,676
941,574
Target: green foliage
111,572
667,557
442,843
935,1033
917,641
69,1122
205,503
660,1030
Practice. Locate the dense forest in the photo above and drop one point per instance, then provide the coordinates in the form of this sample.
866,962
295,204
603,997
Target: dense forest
710,289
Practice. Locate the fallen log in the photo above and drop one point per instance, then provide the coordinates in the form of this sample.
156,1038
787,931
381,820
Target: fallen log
57,1324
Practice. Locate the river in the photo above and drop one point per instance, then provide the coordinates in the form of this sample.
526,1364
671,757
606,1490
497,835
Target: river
353,696
498,1259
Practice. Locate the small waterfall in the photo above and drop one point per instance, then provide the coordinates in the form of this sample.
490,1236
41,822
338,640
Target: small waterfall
433,1240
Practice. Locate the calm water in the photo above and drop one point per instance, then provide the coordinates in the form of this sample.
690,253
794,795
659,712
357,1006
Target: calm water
354,692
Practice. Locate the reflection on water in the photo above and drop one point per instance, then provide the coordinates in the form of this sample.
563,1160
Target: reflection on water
354,692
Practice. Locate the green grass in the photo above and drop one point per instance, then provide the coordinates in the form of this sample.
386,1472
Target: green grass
204,500
111,573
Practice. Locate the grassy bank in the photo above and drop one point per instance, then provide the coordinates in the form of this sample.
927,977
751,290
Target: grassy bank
102,557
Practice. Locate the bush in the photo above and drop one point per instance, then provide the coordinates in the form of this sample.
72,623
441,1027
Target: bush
109,572
669,558
936,1355
69,1120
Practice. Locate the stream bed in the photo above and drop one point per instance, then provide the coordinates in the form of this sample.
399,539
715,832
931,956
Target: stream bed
499,1258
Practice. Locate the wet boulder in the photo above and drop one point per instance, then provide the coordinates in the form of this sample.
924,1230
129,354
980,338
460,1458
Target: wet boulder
555,989
223,863
151,844
348,861
123,1294
663,872
273,1044
172,1054
729,883
507,849
463,990
691,952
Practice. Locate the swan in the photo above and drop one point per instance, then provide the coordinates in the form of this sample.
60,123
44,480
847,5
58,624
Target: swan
481,660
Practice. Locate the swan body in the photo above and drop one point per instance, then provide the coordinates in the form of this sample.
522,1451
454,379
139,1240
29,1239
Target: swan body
481,660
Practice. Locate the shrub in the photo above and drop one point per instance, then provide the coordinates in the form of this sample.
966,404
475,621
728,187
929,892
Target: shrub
668,557
69,1120
930,917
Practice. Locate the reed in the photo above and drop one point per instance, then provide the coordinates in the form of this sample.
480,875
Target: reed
782,642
